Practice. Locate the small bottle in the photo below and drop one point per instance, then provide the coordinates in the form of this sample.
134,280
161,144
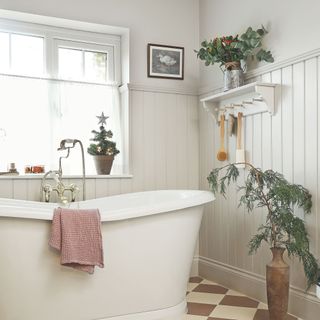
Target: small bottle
27,169
12,168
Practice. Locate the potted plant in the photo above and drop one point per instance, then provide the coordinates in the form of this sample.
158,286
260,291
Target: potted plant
230,51
318,286
282,230
104,150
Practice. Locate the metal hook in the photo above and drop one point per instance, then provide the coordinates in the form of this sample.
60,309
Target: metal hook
223,110
240,105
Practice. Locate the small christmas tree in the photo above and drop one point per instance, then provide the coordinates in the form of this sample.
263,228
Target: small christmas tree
104,146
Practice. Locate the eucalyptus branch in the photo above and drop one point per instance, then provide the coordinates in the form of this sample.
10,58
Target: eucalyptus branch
223,50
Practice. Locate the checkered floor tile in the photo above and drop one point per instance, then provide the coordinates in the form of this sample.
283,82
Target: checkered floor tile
210,301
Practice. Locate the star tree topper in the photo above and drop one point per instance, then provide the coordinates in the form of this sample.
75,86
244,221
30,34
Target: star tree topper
102,119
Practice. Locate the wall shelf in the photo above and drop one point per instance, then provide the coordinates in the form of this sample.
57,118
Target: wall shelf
249,99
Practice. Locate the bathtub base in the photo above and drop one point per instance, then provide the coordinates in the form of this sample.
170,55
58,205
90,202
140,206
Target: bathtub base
173,313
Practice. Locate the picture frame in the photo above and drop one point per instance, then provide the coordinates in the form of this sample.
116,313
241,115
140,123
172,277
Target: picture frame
165,61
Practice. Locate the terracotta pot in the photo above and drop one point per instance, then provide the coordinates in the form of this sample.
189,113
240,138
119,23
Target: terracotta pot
277,285
103,164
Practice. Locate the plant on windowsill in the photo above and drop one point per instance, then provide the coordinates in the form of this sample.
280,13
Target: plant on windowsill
282,230
230,51
104,150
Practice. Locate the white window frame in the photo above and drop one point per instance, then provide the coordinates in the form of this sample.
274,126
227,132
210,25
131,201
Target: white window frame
13,27
55,36
51,29
72,44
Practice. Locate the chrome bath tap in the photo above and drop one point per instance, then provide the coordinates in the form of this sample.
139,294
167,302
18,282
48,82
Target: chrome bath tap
60,188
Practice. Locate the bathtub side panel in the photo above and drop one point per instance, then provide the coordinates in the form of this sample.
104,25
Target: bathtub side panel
147,264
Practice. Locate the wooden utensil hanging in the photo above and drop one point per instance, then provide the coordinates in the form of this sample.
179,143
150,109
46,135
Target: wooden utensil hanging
240,153
222,154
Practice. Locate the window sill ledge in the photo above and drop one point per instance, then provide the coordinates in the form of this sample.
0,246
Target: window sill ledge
40,176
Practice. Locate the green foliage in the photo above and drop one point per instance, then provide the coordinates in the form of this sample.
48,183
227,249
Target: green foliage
229,49
282,228
104,145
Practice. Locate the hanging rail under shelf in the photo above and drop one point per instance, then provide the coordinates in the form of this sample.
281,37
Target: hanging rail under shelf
253,98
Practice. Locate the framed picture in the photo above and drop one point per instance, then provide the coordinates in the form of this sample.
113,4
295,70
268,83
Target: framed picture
165,61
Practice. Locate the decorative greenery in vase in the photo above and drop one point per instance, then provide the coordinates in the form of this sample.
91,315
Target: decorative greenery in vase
282,228
229,50
103,146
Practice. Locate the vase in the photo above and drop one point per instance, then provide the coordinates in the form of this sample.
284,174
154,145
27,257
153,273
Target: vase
232,75
318,291
277,285
103,164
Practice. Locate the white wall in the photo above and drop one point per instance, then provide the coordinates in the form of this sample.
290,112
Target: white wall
165,124
287,142
150,21
163,114
164,130
293,25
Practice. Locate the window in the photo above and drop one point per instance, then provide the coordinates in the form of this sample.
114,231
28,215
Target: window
21,54
53,83
87,62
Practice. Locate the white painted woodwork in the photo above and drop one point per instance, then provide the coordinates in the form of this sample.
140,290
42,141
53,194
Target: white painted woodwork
288,142
250,99
163,144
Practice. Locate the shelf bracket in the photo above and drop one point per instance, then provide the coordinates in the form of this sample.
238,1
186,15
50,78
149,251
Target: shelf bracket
268,95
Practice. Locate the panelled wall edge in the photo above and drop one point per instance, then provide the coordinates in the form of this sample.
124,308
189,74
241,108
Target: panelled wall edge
163,146
288,142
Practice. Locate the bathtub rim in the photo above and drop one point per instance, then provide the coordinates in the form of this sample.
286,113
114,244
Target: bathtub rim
26,209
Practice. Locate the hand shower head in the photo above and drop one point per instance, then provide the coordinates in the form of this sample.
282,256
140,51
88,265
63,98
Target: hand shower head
67,144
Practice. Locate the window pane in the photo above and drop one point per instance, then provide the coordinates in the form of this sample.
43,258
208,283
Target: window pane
95,66
26,119
27,54
79,104
37,114
70,63
4,51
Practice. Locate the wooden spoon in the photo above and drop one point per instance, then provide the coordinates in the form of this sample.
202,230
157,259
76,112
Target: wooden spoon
222,154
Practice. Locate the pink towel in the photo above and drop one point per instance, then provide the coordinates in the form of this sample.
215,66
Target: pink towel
77,235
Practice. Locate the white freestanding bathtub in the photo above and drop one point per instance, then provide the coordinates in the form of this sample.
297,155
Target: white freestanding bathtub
149,240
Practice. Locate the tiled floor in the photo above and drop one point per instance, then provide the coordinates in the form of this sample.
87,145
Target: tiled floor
210,301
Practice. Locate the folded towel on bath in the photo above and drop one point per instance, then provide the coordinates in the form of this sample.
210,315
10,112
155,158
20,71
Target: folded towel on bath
77,235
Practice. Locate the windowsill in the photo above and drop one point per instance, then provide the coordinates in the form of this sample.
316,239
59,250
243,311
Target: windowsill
40,176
